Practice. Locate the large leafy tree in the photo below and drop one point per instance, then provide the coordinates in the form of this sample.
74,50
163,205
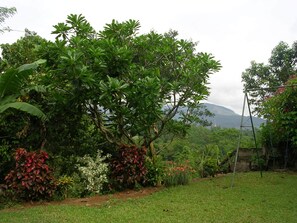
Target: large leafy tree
23,51
261,80
67,131
280,132
131,85
272,89
281,109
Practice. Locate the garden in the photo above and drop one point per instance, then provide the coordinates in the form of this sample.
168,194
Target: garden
115,114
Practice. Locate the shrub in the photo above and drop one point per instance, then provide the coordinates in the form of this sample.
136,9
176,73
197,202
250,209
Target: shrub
93,172
31,179
207,161
128,167
64,183
177,174
5,197
155,171
5,160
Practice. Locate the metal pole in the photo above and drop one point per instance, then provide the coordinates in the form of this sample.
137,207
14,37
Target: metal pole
239,141
254,134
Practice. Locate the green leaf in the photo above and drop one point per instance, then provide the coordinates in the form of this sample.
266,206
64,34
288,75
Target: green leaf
23,106
31,66
12,80
8,99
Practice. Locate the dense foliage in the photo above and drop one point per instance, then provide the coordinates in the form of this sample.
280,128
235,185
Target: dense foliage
261,80
128,167
130,85
115,90
207,150
272,90
31,178
102,90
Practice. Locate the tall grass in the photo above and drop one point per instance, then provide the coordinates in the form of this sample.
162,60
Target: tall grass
272,198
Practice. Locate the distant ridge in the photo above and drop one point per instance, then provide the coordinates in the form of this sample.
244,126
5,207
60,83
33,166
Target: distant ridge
226,118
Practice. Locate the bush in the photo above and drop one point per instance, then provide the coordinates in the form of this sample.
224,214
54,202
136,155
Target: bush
6,196
31,179
64,183
6,163
177,174
155,171
207,161
128,167
93,172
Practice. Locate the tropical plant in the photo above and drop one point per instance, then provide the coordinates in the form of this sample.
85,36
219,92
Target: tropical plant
93,172
130,85
128,168
155,171
13,90
207,160
31,178
64,184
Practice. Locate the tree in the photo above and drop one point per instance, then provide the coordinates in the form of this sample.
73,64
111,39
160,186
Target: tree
281,110
24,51
129,84
261,80
273,95
67,131
4,14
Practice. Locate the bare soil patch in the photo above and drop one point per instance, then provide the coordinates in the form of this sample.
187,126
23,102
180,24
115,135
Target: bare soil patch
98,200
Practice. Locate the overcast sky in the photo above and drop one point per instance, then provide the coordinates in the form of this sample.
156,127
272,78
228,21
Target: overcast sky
234,31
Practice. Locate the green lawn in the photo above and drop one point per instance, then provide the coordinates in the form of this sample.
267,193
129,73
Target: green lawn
272,198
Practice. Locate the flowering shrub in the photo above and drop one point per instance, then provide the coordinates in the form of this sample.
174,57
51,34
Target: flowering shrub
128,168
177,174
93,171
31,179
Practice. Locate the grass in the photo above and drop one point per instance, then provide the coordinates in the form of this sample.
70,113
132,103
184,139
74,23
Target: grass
272,198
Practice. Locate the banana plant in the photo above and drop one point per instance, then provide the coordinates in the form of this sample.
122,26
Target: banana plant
12,83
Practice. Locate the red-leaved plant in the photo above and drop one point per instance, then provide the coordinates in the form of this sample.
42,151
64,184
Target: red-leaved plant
31,179
128,168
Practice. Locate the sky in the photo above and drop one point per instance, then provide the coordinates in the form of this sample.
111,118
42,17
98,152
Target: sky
235,32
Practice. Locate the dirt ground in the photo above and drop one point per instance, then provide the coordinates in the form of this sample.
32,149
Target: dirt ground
99,199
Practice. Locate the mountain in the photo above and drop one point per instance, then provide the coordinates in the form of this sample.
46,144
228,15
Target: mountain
226,118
